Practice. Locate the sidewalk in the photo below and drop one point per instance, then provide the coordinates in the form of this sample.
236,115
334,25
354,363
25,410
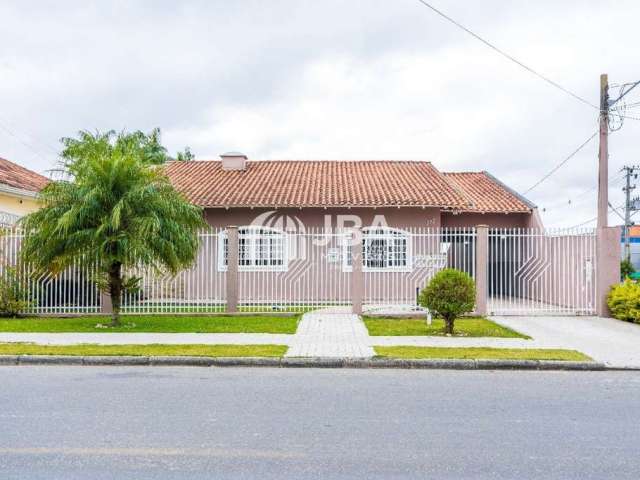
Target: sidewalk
333,333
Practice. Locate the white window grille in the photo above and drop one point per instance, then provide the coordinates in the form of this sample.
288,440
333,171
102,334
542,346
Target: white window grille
383,249
259,249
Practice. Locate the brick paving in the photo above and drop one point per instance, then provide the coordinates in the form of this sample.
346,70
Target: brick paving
331,334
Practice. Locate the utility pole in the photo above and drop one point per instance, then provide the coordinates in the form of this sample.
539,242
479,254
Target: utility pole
630,205
603,153
627,210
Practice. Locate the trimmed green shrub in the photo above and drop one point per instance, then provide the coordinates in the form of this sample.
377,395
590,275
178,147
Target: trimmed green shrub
626,269
14,295
624,301
449,294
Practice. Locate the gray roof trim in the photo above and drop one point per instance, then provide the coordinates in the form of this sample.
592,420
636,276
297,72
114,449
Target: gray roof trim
526,201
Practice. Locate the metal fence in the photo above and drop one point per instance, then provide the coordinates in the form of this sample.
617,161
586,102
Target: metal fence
534,271
529,272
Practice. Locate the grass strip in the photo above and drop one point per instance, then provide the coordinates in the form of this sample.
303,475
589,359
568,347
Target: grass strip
145,350
477,353
155,324
464,327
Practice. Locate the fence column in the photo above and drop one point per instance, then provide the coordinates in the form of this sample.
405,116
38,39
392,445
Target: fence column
105,303
232,269
357,277
482,261
607,265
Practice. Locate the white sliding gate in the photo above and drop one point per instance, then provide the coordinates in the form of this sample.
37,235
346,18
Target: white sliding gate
541,272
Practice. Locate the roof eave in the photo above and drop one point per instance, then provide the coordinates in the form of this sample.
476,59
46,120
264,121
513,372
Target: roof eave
18,192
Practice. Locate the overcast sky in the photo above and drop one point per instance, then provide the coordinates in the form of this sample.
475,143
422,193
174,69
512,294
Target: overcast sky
330,79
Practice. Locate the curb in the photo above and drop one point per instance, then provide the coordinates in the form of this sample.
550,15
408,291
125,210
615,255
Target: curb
302,362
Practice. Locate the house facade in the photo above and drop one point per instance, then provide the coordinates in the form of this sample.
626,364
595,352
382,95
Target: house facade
19,189
390,201
406,194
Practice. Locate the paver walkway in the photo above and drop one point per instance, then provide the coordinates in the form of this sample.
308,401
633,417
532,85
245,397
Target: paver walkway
331,333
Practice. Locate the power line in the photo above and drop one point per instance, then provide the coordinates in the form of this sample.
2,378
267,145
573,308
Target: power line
554,169
29,146
570,202
623,92
509,57
594,218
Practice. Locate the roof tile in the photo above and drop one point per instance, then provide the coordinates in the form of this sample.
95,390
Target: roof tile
314,183
16,176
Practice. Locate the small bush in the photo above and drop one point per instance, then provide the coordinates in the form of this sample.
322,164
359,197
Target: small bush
626,269
450,293
14,296
624,301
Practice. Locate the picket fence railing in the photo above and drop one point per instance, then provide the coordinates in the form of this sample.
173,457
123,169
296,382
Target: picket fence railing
528,271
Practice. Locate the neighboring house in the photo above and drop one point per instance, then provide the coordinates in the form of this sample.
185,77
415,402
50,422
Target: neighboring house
263,198
19,188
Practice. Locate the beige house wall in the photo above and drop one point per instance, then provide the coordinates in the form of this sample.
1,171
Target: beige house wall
17,205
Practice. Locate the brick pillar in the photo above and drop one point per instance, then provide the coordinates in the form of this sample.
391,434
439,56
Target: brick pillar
232,269
482,261
607,266
357,277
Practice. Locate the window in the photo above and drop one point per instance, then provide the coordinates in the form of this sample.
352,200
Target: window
259,249
383,249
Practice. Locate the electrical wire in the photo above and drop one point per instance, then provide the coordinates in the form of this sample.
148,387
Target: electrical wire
565,160
570,202
509,57
594,218
28,145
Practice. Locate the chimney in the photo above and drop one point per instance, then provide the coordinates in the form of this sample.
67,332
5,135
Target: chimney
234,161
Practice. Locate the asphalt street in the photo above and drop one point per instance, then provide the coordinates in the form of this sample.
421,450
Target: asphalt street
232,423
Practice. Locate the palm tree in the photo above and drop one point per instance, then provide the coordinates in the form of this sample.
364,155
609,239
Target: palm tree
113,204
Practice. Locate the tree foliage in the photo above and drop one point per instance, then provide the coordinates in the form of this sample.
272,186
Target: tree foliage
114,205
450,293
14,293
626,268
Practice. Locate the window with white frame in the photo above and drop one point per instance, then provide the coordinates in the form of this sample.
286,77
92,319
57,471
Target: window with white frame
259,249
383,249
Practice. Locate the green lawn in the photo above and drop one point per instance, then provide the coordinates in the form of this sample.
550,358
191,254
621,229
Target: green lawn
156,323
481,353
145,350
464,327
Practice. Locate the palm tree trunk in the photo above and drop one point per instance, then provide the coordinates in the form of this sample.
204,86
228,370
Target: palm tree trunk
115,290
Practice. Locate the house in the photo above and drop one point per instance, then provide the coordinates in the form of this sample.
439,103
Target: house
19,188
388,199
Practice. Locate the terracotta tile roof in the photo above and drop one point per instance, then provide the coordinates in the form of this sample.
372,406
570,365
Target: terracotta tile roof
314,183
486,193
15,176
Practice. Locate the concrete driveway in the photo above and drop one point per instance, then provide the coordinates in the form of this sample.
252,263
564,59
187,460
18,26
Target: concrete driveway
614,342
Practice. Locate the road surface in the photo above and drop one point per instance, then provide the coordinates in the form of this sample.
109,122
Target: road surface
232,423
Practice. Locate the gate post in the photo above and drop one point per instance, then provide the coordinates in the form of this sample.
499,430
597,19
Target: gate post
608,255
232,269
357,277
482,260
